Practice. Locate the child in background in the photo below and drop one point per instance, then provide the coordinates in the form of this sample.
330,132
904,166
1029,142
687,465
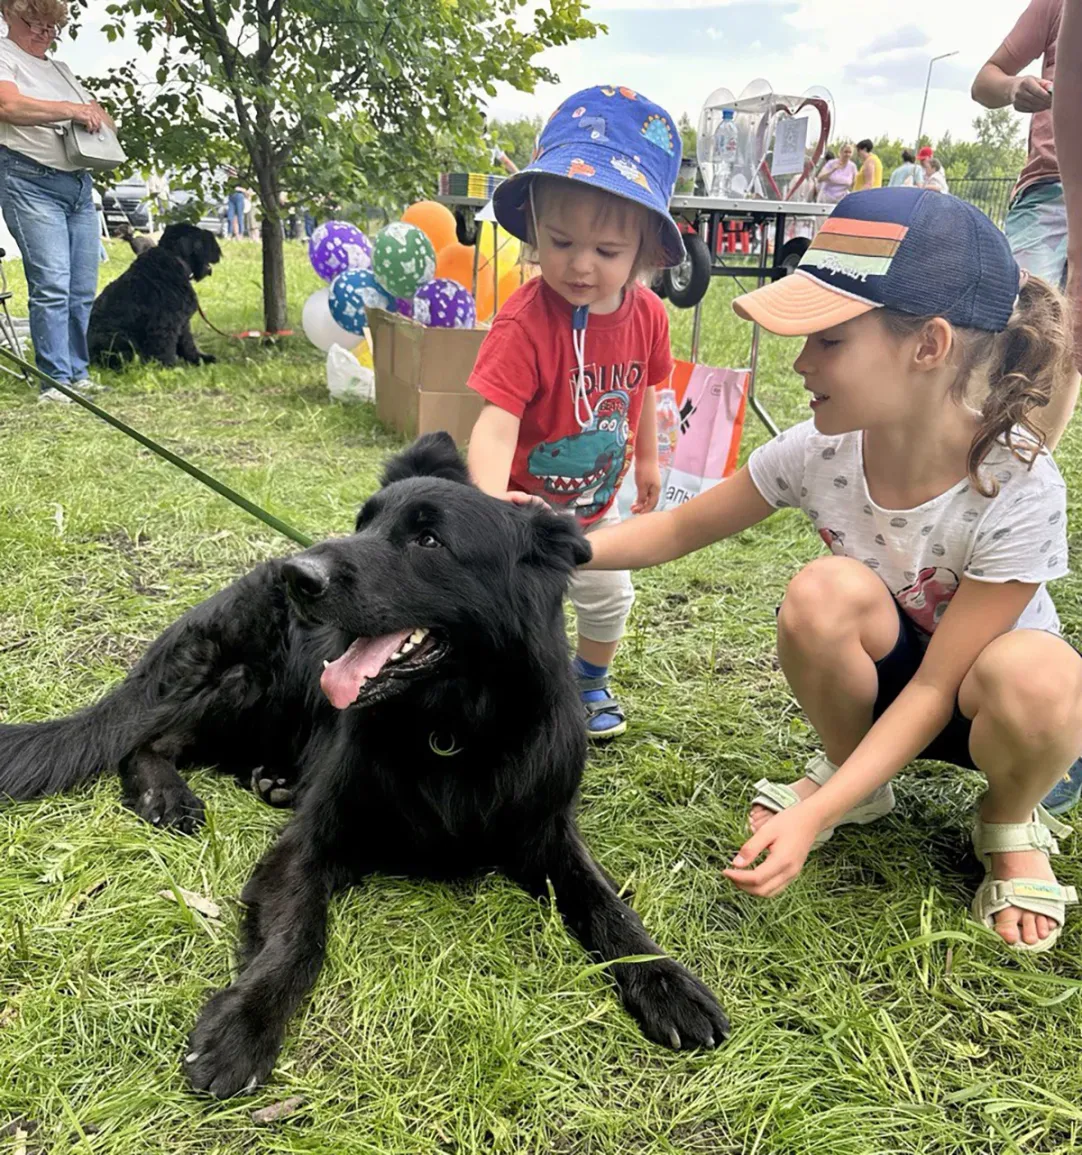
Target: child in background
929,631
570,366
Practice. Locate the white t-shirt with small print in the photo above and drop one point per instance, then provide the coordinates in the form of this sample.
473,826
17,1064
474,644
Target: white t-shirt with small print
922,554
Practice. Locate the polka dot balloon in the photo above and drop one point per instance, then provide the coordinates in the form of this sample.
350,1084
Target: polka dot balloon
403,259
444,304
353,293
336,246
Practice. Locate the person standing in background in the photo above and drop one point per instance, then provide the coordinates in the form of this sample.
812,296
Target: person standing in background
836,177
908,172
1036,224
47,201
1068,144
934,176
871,167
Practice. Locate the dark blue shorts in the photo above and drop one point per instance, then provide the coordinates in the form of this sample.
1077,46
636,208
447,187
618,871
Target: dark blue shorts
896,670
951,744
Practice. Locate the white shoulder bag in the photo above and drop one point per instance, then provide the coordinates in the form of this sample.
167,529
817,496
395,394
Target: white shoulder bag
100,151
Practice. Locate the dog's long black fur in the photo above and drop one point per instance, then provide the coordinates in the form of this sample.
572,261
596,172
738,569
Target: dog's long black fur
148,309
464,756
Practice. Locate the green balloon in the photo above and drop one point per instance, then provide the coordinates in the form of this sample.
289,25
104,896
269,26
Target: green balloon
403,259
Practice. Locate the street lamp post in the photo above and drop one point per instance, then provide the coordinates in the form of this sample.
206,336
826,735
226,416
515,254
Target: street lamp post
927,85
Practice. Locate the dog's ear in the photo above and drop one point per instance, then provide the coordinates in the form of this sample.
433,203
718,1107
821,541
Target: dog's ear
433,455
555,539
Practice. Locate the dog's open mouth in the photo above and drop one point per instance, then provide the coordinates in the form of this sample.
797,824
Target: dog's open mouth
367,669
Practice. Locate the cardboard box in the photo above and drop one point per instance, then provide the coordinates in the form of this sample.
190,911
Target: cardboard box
421,376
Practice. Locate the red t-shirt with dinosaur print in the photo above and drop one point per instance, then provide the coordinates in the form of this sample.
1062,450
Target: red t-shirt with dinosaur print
527,366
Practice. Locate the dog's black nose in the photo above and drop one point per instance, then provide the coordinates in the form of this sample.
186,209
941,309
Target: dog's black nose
307,576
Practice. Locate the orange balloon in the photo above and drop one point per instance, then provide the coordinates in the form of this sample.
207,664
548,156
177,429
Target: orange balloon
510,282
436,221
456,261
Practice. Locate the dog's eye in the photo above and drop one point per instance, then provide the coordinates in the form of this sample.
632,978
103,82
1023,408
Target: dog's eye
428,540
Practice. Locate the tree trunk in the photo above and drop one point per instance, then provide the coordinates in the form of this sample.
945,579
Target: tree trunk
275,314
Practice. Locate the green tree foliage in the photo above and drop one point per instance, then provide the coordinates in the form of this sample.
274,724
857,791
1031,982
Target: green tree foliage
516,138
337,102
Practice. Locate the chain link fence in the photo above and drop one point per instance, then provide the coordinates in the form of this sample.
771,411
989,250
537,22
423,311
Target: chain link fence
992,195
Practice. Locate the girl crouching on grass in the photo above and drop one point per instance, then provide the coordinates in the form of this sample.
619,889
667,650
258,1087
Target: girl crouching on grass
928,632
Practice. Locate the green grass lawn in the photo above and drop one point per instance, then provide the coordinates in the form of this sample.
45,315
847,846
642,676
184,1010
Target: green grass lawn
869,1016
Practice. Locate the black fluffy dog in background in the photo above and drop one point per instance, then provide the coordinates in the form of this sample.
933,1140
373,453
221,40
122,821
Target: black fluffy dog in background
148,309
412,682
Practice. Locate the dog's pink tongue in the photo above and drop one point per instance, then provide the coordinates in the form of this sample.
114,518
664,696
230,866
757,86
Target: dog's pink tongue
341,680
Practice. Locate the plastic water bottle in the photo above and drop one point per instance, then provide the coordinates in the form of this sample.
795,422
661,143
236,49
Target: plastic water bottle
668,427
725,141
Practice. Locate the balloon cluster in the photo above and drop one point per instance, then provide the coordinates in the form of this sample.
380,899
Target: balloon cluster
415,267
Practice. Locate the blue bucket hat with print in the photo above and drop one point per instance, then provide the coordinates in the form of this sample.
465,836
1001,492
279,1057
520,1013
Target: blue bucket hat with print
611,138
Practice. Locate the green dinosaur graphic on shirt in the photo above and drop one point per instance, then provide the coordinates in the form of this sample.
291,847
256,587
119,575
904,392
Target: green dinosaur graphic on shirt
583,470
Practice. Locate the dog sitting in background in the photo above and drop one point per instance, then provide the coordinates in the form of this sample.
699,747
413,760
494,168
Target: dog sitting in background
148,309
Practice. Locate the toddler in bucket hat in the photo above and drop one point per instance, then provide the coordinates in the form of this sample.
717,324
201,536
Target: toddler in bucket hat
572,363
613,139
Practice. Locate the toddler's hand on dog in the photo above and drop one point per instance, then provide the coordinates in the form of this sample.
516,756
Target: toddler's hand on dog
517,497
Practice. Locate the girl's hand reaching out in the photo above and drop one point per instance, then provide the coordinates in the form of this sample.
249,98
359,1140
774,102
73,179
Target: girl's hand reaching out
787,838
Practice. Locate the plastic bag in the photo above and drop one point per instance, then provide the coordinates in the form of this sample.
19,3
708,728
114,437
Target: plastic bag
347,378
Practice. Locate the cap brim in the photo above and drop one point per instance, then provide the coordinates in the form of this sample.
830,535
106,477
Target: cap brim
798,305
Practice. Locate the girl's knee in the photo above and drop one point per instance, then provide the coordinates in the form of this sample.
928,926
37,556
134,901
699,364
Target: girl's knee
1030,684
828,596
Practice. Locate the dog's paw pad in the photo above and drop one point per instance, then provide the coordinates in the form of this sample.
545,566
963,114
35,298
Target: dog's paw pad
274,791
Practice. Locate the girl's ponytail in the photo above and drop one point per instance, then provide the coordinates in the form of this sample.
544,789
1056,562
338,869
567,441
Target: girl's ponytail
1025,366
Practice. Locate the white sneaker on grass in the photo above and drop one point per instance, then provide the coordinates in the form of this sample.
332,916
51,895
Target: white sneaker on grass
53,397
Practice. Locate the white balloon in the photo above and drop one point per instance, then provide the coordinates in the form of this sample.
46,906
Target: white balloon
320,327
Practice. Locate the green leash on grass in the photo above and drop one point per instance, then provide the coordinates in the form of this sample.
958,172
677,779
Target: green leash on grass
219,487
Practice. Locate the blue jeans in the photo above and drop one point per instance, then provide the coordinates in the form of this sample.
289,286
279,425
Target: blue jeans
1036,229
51,216
235,212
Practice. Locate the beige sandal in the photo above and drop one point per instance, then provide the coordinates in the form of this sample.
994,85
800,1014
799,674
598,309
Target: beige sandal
777,797
1037,895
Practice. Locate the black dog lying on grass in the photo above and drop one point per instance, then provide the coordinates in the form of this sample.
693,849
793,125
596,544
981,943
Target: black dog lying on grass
443,738
148,309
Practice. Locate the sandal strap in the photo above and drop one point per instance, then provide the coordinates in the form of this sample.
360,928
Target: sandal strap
1037,895
603,706
1004,837
1059,829
774,796
820,769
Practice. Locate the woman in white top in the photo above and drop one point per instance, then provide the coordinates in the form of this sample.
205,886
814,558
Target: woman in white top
47,202
934,176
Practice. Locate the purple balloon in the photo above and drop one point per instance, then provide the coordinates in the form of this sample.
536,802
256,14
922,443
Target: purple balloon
337,246
404,306
444,304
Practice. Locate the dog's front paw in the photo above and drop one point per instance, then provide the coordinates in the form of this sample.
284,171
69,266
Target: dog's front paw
208,358
232,1048
170,805
671,1005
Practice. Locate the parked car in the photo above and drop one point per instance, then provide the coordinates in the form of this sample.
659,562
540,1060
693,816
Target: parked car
133,196
116,219
212,218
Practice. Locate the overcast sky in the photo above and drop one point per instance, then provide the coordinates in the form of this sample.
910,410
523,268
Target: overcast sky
872,55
